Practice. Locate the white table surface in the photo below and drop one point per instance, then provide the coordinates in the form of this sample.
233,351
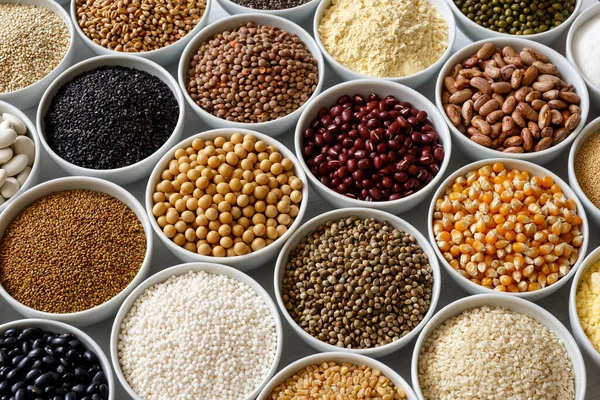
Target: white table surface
293,347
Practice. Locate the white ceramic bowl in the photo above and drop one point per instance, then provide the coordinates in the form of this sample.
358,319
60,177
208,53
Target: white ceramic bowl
582,339
476,32
415,80
104,310
476,152
382,88
340,357
296,14
271,128
310,227
34,175
163,56
30,95
590,208
181,269
130,173
84,338
534,170
245,262
584,17
513,304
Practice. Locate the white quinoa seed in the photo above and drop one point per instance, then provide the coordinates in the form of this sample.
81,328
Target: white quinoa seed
492,353
197,336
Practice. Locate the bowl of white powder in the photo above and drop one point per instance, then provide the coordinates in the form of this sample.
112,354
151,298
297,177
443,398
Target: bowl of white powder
583,49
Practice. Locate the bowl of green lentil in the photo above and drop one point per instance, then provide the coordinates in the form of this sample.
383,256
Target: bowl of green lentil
540,21
89,244
375,273
38,43
296,11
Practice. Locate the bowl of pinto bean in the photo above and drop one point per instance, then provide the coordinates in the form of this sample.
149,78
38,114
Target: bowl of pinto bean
512,98
373,143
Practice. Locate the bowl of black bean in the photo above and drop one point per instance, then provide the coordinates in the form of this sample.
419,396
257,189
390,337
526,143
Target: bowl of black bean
43,359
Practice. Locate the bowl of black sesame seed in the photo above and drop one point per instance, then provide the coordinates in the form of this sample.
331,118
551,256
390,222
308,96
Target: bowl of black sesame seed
296,11
357,280
111,117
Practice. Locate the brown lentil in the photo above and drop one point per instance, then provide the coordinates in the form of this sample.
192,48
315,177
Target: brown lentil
330,380
139,25
507,230
357,283
70,251
33,42
227,197
254,73
587,168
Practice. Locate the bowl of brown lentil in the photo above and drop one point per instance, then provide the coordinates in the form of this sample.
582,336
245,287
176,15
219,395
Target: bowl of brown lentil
38,43
175,23
468,350
326,375
247,86
296,11
89,244
375,273
510,226
231,195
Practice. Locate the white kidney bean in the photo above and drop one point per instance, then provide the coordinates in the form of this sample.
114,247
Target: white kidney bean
7,137
5,155
3,177
24,145
10,187
15,165
16,123
23,175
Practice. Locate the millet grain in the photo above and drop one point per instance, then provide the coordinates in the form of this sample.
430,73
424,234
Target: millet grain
587,168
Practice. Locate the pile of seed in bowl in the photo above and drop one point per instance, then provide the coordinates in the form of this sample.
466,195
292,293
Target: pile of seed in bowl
38,364
138,26
253,73
588,304
197,336
70,251
357,283
110,117
271,4
494,353
587,167
17,154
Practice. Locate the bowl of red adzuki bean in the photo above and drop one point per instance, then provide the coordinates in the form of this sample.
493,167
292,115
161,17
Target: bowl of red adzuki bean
373,143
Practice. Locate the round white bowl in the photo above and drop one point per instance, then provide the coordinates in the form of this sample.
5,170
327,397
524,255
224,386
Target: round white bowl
247,261
84,338
381,88
296,14
476,32
534,170
590,208
163,56
130,173
31,133
513,304
104,310
339,357
415,80
310,227
476,152
181,269
271,128
30,96
582,339
584,17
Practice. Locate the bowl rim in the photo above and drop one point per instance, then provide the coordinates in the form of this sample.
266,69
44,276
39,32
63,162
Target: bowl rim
515,42
339,357
309,226
100,184
182,269
279,13
208,135
583,17
233,21
514,304
156,53
60,12
91,64
37,158
494,34
348,86
450,21
524,165
87,340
